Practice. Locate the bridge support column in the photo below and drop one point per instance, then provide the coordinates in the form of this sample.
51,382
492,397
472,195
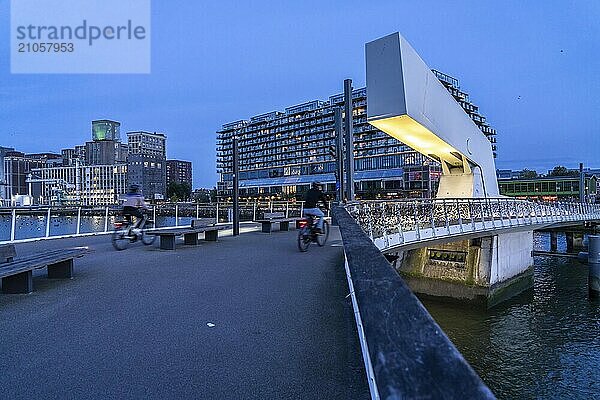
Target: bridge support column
553,241
594,266
485,270
569,239
574,241
578,241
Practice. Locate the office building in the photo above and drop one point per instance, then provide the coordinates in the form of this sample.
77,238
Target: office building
84,185
281,153
179,172
105,129
106,147
146,163
105,152
17,167
551,188
4,197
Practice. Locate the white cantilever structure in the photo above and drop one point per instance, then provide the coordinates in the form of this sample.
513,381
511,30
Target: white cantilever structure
407,101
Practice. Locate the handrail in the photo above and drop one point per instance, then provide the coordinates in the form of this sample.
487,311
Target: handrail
405,350
42,222
396,222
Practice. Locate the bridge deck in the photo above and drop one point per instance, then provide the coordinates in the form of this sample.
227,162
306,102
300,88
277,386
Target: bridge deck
133,324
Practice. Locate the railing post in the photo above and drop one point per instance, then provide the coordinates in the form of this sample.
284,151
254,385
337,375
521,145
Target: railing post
416,220
460,222
471,215
446,216
529,209
48,223
510,207
217,212
254,211
400,232
287,209
106,220
176,214
482,213
432,218
301,209
492,216
329,208
197,210
154,215
78,220
369,216
501,214
13,223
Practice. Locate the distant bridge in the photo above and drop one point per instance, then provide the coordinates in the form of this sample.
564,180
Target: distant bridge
410,224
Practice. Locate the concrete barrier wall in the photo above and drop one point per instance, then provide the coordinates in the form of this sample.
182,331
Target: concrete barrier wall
410,355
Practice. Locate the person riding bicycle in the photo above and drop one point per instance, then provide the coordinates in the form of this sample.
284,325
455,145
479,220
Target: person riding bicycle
133,205
311,199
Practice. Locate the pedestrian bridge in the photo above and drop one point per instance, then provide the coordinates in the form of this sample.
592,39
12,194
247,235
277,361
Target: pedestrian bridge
409,224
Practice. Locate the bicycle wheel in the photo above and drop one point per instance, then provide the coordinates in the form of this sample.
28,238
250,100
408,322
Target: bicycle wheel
303,240
119,239
147,240
322,238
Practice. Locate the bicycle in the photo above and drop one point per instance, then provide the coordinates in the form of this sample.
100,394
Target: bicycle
308,233
123,233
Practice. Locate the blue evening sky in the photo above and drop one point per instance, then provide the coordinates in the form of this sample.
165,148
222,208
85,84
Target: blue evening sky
533,67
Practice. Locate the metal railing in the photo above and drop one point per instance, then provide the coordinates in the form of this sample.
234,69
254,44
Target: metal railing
394,223
49,222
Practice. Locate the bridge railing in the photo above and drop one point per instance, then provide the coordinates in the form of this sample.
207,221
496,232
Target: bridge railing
24,223
406,353
412,220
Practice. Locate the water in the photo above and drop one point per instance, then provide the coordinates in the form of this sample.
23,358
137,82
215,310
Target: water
544,344
32,223
34,226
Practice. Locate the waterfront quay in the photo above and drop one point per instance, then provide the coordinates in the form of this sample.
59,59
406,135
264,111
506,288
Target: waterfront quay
247,317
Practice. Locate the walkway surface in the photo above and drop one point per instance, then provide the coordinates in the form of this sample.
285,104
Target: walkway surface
133,324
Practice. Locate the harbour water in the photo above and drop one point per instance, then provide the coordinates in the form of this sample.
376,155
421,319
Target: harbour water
543,344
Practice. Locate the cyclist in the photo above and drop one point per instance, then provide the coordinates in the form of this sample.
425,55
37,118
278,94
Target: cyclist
311,199
133,205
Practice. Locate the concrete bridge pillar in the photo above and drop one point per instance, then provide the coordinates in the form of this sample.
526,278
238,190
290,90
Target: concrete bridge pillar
485,270
553,241
574,241
594,265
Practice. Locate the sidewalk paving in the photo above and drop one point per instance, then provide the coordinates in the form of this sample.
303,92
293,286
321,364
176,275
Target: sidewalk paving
135,324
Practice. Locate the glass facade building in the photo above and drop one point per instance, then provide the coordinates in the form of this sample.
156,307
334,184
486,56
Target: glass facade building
281,153
104,129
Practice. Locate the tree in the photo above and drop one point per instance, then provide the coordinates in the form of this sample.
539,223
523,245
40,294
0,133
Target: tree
179,191
205,195
559,170
528,174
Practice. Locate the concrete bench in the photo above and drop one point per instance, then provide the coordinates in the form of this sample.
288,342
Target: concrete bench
17,273
190,233
276,218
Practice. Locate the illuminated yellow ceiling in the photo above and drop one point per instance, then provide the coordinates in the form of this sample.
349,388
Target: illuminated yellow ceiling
415,135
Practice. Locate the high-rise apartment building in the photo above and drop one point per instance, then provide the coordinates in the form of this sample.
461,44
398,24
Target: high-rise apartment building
281,153
146,163
453,86
179,172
